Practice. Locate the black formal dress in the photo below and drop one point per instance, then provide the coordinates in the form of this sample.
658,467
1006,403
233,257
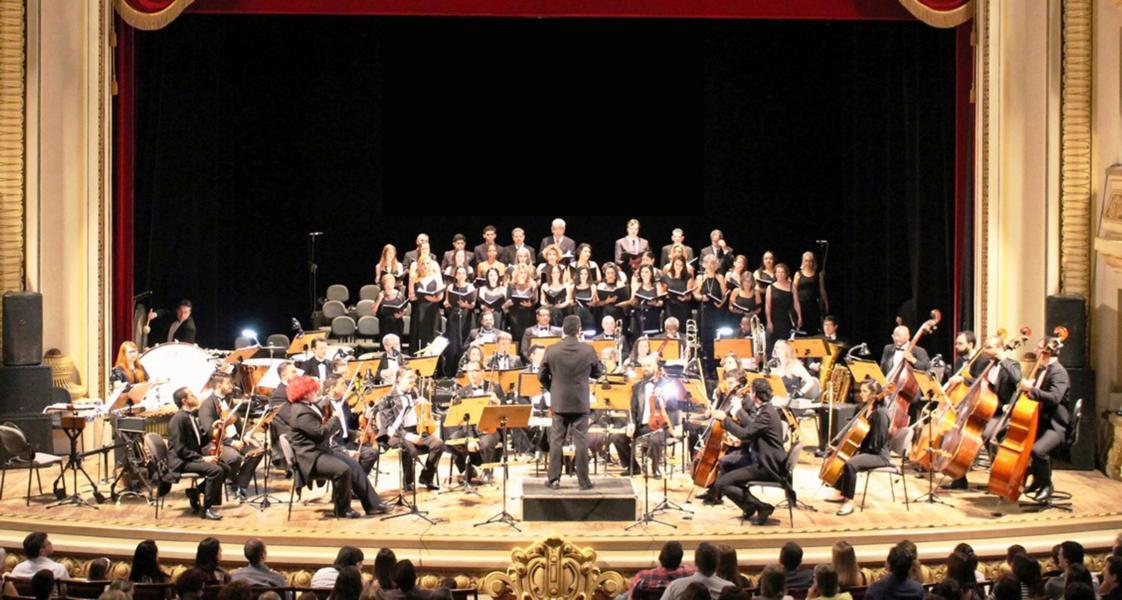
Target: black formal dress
555,297
679,302
710,316
621,293
742,305
810,303
582,300
427,317
459,324
491,300
391,315
647,318
565,372
186,441
520,317
782,316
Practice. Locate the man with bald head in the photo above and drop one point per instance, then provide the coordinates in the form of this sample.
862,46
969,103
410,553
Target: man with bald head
897,351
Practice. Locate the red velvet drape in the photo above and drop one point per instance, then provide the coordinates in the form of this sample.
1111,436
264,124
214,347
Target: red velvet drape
123,170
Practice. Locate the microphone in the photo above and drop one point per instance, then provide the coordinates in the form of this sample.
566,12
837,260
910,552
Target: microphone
822,241
315,233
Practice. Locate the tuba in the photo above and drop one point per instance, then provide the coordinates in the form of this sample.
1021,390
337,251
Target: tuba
759,341
838,383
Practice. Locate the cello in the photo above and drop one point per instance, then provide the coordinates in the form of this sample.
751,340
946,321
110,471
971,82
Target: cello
905,384
1007,476
960,446
852,438
711,444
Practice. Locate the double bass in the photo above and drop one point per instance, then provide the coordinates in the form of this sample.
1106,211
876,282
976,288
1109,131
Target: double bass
850,443
961,445
905,384
1007,475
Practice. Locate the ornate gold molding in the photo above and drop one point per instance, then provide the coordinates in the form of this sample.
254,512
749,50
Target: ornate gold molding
984,50
553,569
940,18
1075,148
149,21
12,85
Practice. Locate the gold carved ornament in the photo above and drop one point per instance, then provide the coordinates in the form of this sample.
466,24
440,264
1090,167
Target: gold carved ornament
553,569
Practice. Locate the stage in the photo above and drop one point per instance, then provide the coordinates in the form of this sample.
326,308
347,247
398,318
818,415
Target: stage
455,546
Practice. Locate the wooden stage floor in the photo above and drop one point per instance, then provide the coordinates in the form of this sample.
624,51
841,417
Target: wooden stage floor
312,537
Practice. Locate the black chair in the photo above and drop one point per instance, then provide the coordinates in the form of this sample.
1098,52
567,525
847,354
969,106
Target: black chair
901,444
22,456
792,460
297,480
647,593
81,588
1062,500
158,450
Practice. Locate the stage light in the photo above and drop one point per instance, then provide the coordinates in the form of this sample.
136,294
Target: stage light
724,331
588,334
249,333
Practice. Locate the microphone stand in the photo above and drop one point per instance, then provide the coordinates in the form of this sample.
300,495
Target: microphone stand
312,268
666,504
932,496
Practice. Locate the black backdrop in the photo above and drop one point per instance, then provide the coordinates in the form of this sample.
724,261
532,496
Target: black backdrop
254,130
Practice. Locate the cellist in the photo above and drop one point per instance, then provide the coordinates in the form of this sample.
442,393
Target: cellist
1002,378
898,351
1051,389
874,451
731,400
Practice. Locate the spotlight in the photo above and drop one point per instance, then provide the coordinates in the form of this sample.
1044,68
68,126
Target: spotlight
249,333
724,332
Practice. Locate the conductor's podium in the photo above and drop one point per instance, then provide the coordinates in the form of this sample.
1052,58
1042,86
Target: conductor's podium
612,499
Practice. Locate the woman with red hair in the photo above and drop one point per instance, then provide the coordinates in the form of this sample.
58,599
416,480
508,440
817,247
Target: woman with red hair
314,458
128,369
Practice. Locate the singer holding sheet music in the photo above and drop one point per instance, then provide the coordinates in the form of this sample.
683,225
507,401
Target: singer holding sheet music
565,371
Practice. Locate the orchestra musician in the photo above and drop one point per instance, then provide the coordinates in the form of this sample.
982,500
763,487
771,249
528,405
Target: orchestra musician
639,351
518,243
964,344
487,332
317,365
343,427
874,451
484,448
286,371
609,331
541,330
315,459
502,359
182,329
557,238
631,243
1051,389
677,238
645,432
186,441
744,330
762,433
399,429
897,351
127,369
830,330
392,358
474,354
796,378
241,456
490,234
566,370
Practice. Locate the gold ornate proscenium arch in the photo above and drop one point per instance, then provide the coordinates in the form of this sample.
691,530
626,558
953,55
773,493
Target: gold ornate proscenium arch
150,14
553,569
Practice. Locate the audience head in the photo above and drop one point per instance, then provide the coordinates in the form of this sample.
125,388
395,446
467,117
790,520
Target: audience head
1112,573
42,584
961,567
791,556
706,558
728,567
773,582
383,568
348,556
255,551
845,563
1070,553
1027,571
99,569
235,590
1079,591
190,584
348,585
146,562
900,561
405,576
1012,551
670,557
695,591
732,592
208,554
269,595
826,580
1006,588
36,545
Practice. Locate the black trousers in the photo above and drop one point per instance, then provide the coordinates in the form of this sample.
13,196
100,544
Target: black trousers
575,425
214,474
430,445
361,487
241,467
367,455
731,484
847,483
1042,449
333,467
489,450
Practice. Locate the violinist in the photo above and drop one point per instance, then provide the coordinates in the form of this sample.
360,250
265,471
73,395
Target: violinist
392,358
1051,389
186,447
874,448
314,458
400,430
485,447
241,456
763,435
343,428
1002,378
648,429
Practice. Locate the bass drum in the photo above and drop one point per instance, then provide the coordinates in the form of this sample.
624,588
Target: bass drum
181,365
261,375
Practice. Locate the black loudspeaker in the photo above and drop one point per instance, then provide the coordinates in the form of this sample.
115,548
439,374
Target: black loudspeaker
843,414
1082,455
23,328
24,389
1071,312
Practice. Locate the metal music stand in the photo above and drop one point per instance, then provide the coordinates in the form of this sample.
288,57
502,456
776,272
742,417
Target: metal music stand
648,515
504,418
72,425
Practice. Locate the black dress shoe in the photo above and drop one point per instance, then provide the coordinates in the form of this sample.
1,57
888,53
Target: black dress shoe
210,515
381,509
349,514
711,501
432,486
408,487
1029,490
763,515
1044,494
957,484
748,514
242,495
587,486
193,498
554,485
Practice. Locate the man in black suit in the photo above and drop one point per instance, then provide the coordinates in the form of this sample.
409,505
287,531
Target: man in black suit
183,328
567,245
399,430
609,330
311,453
566,369
518,242
486,332
237,454
744,332
285,371
343,427
719,248
489,236
676,237
763,433
411,256
186,440
964,345
1051,389
897,352
317,365
631,243
541,330
486,448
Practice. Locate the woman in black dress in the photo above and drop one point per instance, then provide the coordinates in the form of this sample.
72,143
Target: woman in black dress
810,296
388,263
427,294
744,300
612,295
390,307
679,285
584,295
492,297
459,307
648,303
779,305
521,297
739,266
710,291
556,295
766,273
584,261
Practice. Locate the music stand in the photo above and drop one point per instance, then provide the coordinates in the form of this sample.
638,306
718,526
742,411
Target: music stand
648,515
544,342
605,395
425,366
507,380
265,499
241,354
358,367
72,424
672,350
303,341
529,385
741,347
466,413
504,418
778,390
490,348
931,390
812,347
865,369
132,397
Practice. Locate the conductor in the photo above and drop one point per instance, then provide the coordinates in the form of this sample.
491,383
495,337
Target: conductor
565,372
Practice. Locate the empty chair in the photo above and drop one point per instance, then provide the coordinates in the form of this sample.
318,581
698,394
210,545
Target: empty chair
343,328
333,308
338,292
22,456
364,308
368,327
279,340
369,291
